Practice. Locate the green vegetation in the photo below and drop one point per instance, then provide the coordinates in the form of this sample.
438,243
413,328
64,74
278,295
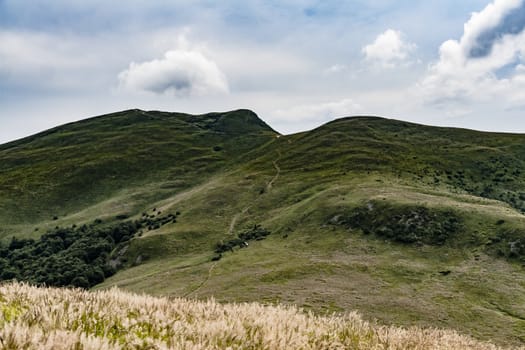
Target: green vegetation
76,166
257,233
405,224
75,256
65,257
409,224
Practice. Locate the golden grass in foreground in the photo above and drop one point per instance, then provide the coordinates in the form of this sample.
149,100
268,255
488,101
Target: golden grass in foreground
50,318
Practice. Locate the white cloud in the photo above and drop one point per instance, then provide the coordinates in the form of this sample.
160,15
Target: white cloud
485,64
390,49
180,72
485,21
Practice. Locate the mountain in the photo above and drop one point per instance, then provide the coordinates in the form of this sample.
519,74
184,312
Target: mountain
409,224
75,166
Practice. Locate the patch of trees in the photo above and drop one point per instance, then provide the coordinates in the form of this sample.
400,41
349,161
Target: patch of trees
155,221
403,223
256,233
73,256
65,256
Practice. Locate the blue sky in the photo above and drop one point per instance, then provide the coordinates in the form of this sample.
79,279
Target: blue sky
297,63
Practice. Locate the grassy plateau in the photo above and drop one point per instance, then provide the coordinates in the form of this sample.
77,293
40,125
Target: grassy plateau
409,225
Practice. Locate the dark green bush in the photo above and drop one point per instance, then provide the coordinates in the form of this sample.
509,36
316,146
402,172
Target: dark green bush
404,223
508,243
242,239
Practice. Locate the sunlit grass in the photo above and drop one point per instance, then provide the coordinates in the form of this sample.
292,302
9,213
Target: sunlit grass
46,318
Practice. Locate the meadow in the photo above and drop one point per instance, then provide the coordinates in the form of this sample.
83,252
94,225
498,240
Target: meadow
49,318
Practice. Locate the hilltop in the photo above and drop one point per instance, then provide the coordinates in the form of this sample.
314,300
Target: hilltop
409,224
71,167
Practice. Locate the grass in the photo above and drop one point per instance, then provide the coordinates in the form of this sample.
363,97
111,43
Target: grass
80,165
32,318
134,161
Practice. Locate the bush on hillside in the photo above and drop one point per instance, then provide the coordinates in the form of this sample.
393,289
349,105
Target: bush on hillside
404,223
256,233
508,243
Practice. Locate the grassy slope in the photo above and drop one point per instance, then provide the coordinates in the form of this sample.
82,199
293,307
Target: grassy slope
294,185
45,318
117,163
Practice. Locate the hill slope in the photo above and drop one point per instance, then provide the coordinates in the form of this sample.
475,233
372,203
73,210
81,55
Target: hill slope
69,168
408,224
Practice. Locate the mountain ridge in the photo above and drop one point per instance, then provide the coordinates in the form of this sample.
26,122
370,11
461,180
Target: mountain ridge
258,120
418,215
147,114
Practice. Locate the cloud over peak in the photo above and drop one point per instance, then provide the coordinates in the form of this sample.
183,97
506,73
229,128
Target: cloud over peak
180,73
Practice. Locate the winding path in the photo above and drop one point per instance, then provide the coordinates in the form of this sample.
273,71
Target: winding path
234,220
203,282
269,186
276,166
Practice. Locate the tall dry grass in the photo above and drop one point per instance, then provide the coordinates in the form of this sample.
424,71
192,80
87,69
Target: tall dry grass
50,318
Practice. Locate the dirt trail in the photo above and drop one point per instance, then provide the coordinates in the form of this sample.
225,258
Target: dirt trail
234,220
182,196
269,186
276,166
203,282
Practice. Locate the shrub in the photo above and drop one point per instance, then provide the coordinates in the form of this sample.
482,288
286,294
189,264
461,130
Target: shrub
404,223
255,233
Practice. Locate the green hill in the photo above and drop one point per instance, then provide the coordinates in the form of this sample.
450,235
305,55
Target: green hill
73,167
409,224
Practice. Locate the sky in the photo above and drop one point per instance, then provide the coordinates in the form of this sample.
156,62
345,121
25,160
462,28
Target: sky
297,63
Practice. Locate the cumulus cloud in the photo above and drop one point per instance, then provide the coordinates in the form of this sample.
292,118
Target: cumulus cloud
390,49
486,63
180,72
